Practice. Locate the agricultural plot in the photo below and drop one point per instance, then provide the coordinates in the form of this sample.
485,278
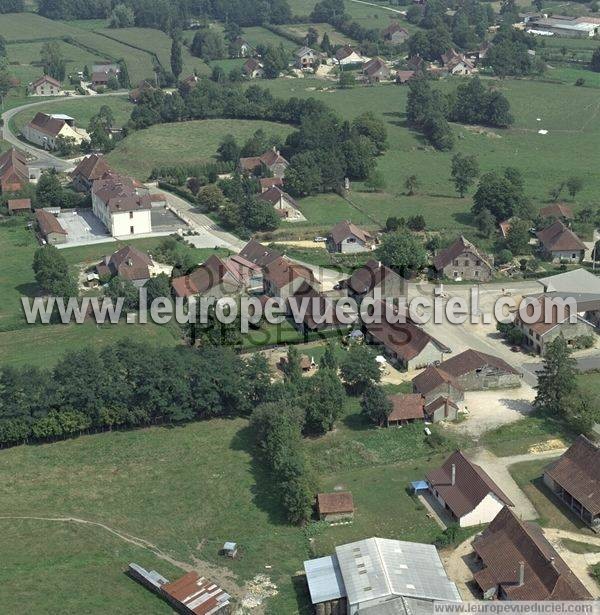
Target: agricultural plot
261,36
336,38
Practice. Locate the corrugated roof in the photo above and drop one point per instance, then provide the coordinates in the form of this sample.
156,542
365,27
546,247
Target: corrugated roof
197,594
324,579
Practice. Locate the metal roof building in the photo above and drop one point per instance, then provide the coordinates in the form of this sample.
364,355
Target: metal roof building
378,573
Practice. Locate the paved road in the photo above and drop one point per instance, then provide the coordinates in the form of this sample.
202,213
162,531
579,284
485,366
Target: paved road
41,158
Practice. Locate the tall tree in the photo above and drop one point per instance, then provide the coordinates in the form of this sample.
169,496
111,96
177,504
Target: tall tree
375,404
359,369
465,170
176,57
53,62
402,252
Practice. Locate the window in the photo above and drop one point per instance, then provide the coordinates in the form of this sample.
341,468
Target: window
131,229
131,215
455,274
456,262
477,274
574,256
478,263
467,262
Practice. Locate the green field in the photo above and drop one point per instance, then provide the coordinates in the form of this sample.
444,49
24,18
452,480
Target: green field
336,38
183,143
261,36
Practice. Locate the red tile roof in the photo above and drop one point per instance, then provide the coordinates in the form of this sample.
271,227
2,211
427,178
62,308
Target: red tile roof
438,403
258,254
461,245
129,263
119,194
19,204
47,124
274,194
471,360
431,378
48,223
45,79
267,182
557,237
91,168
406,407
282,271
13,168
369,276
345,229
337,502
557,210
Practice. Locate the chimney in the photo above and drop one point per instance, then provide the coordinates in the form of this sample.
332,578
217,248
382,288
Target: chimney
453,479
521,574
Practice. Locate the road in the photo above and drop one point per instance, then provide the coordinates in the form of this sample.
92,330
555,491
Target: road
379,6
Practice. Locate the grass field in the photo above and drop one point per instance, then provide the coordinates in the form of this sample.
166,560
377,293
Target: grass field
261,36
336,38
193,142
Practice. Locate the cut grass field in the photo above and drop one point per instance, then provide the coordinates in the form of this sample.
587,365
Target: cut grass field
261,36
194,143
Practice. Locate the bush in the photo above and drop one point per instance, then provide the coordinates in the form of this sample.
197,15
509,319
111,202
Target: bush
504,256
583,341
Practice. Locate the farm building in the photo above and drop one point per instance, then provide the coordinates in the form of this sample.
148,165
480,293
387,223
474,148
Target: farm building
395,34
559,211
466,491
313,311
257,254
346,56
374,277
282,278
49,227
516,562
304,57
45,86
346,238
564,25
336,506
441,409
560,243
272,160
404,76
434,382
88,170
463,261
18,206
457,63
575,479
45,130
253,69
14,173
406,409
376,70
285,206
378,576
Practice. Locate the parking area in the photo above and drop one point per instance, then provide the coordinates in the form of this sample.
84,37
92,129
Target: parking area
82,226
164,221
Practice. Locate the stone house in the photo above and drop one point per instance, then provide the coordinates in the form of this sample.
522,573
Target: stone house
44,130
455,63
241,48
376,70
304,57
346,238
14,173
271,160
560,243
285,206
434,383
336,506
45,86
395,34
463,261
50,228
374,277
345,56
253,69
128,263
283,279
88,170
441,409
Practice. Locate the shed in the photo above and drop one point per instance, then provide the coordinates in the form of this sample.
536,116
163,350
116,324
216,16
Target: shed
16,206
335,506
230,549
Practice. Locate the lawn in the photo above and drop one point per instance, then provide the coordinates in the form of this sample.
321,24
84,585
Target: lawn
579,547
589,383
261,36
335,37
195,143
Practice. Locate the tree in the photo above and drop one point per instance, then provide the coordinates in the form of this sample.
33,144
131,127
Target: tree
120,288
372,127
376,181
157,287
465,170
176,58
499,195
312,37
557,380
416,223
6,82
208,45
517,238
329,359
325,398
485,222
48,191
358,369
326,43
346,80
574,185
275,60
402,252
292,368
411,185
52,272
210,198
375,404
53,61
2,47
438,132
228,150
595,62
122,16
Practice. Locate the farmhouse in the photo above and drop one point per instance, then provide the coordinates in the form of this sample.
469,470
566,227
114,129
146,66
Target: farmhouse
257,254
18,206
466,491
559,211
269,182
575,479
50,228
346,238
374,277
345,56
240,48
45,86
121,206
379,576
405,344
336,506
376,70
560,243
463,261
128,263
285,206
406,409
44,130
283,278
518,563
457,63
14,173
304,57
272,160
547,327
434,383
312,310
196,595
404,76
88,171
395,34
253,69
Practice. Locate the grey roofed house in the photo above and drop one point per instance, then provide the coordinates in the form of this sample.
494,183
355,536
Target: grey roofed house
575,282
258,254
375,572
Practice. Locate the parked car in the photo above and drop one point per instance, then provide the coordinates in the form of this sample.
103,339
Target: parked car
319,239
515,348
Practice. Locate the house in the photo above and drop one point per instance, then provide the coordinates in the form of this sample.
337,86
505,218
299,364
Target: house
269,182
283,279
346,238
304,57
18,206
406,409
121,206
434,383
312,310
136,93
457,63
463,261
257,254
551,323
575,479
44,130
395,34
345,56
337,506
14,173
271,160
285,206
253,69
441,409
240,48
45,86
374,277
101,78
128,263
559,211
379,576
466,491
516,562
416,64
49,227
88,170
560,243
404,76
405,344
376,70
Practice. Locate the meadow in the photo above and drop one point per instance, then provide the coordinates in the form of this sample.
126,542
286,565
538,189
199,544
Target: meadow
261,36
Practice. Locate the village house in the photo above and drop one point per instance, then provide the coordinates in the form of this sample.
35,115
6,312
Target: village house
88,170
416,64
455,63
271,161
346,56
395,34
257,254
574,478
405,344
304,57
283,279
50,228
374,277
123,208
406,409
376,70
558,211
516,562
45,130
285,206
404,76
100,79
136,93
14,173
463,261
253,69
45,86
269,182
240,48
548,326
466,491
18,206
560,244
347,238
312,310
336,506
128,263
434,383
379,576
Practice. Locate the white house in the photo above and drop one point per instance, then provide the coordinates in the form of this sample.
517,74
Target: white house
45,86
44,130
466,491
285,206
346,55
124,209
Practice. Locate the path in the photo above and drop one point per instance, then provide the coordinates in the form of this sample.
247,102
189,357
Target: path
385,8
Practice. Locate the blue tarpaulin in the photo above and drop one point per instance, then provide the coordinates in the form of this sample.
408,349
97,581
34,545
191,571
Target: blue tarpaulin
419,485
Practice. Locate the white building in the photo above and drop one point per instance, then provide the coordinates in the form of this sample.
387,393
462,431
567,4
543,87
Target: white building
45,86
45,130
123,208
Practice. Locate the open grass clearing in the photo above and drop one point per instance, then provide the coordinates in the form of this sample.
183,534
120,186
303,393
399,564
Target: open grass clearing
336,38
257,35
579,547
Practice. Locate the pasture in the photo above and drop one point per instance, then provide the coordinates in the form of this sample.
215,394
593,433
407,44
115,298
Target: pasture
336,38
261,36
